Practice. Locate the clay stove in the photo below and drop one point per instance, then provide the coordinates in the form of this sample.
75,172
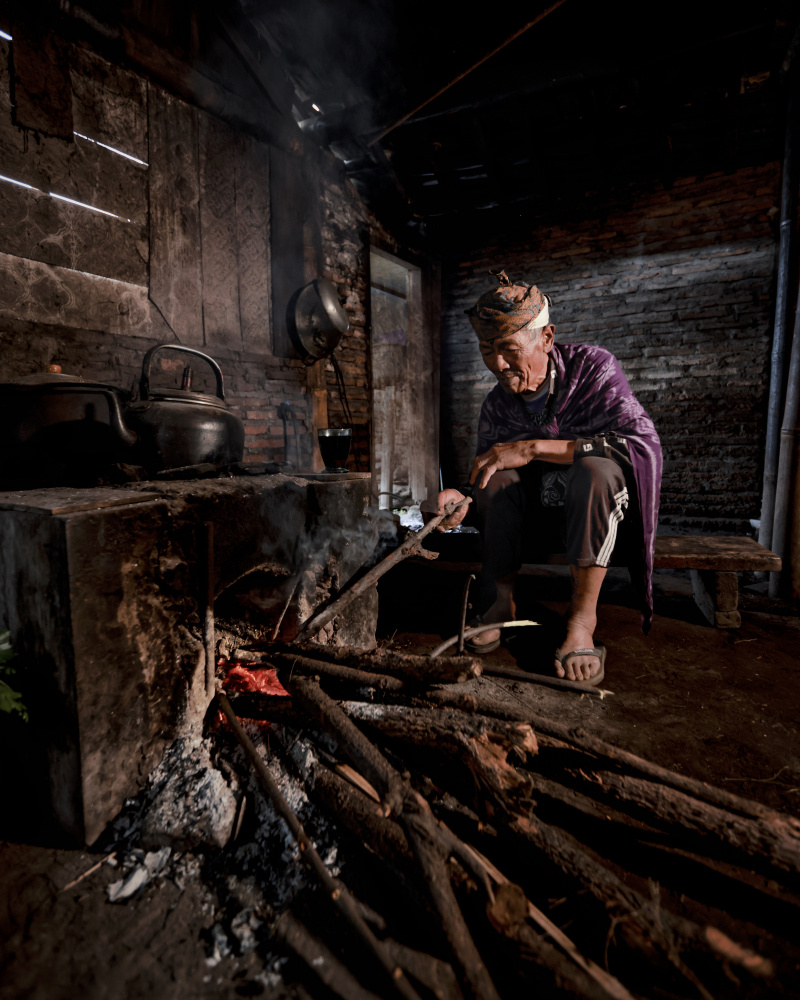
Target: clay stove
102,590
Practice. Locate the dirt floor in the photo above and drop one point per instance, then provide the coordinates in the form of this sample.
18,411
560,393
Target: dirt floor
722,706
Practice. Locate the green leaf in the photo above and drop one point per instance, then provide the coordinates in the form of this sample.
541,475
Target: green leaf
11,701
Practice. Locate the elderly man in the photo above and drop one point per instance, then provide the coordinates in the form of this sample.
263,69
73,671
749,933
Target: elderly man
566,456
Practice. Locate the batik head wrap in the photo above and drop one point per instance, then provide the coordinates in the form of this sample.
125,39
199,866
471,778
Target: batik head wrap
508,309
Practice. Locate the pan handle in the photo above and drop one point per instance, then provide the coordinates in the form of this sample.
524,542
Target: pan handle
144,383
117,421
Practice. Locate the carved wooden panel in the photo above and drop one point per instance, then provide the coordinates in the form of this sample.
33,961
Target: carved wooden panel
253,226
176,275
39,227
41,86
109,104
40,293
220,150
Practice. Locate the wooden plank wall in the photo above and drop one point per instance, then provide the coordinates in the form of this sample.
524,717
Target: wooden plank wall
36,226
209,211
176,269
187,218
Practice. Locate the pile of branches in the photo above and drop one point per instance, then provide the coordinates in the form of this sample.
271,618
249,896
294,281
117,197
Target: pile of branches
490,820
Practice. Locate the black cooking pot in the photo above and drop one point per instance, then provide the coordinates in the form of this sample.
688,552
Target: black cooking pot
63,430
178,427
59,430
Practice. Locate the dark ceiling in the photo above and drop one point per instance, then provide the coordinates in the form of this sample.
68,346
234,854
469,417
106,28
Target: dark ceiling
592,98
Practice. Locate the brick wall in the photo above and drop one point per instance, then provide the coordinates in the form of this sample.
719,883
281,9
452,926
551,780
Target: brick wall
679,286
347,229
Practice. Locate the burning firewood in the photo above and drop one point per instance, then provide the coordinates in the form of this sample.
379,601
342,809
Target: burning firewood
385,837
336,891
308,667
446,734
430,842
410,667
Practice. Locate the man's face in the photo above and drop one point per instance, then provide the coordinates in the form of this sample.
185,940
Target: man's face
519,361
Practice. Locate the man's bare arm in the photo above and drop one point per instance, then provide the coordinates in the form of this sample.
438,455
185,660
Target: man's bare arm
515,454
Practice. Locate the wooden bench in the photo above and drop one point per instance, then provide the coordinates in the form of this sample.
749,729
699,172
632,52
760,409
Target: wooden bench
713,564
712,561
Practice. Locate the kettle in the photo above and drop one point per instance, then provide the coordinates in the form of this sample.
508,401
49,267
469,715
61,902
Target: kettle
178,427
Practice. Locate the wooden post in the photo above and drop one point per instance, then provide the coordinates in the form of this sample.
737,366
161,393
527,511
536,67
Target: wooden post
315,380
387,445
717,596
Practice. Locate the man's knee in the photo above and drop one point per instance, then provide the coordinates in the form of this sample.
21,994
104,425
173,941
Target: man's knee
594,475
497,486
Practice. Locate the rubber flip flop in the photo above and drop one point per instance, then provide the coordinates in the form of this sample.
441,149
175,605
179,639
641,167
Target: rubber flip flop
599,651
477,648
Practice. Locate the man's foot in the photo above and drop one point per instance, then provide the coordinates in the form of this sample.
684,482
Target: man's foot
583,667
483,642
503,610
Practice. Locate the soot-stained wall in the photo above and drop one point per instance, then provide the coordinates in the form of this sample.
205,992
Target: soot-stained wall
679,285
177,247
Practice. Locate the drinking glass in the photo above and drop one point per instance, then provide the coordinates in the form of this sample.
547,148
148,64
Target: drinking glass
334,446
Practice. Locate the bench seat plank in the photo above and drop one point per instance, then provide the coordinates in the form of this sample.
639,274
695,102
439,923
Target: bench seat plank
714,553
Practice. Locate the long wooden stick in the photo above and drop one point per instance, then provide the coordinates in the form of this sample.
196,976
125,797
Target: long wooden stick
609,983
515,674
420,827
361,752
326,614
483,746
670,933
319,959
308,667
581,738
772,847
279,622
209,639
385,837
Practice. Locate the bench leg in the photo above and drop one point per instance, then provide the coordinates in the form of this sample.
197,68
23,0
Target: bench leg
717,596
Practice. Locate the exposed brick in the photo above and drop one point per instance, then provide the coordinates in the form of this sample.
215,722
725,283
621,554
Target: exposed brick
678,284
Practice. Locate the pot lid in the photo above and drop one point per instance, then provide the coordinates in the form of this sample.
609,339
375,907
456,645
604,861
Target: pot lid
316,320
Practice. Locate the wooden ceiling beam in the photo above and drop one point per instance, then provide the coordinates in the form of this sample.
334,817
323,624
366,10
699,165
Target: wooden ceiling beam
125,45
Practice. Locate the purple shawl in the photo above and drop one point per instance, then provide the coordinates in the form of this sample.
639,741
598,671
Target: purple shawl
593,398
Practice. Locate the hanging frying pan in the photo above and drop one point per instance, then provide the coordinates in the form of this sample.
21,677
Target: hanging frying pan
316,320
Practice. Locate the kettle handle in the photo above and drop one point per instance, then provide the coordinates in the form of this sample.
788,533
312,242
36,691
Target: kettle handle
144,383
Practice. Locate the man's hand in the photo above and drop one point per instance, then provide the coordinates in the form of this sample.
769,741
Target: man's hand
507,455
430,509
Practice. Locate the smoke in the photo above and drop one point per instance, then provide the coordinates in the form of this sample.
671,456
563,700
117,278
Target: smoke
342,56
